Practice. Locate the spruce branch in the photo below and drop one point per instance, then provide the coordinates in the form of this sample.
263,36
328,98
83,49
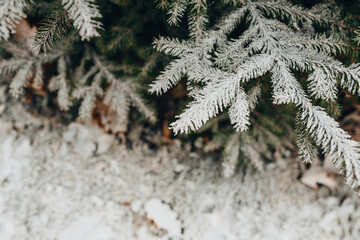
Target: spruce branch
123,36
85,15
176,11
25,65
307,149
218,69
51,31
198,19
163,4
119,93
59,83
357,37
231,153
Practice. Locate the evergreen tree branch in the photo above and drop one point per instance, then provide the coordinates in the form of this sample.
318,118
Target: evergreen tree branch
85,15
51,30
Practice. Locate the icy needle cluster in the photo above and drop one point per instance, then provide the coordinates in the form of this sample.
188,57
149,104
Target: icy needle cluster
280,39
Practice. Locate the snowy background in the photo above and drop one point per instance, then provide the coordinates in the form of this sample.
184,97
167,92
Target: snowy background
78,183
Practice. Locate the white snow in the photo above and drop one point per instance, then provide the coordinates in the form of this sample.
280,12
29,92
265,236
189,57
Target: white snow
89,228
50,191
163,217
88,140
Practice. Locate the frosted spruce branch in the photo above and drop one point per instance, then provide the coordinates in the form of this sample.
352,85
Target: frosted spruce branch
25,67
85,15
218,69
51,31
59,83
120,93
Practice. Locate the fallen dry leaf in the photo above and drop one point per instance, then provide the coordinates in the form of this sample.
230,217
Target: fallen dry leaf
24,33
166,133
24,30
107,118
318,175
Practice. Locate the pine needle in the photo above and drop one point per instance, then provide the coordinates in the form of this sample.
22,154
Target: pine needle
52,30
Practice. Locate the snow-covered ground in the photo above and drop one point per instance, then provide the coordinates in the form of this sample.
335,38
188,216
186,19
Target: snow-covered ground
78,183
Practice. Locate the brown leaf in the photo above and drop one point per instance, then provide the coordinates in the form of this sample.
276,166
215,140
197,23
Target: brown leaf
318,175
107,118
23,30
166,134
